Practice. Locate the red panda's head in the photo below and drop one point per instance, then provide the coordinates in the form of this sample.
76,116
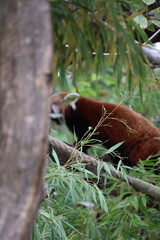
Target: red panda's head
59,101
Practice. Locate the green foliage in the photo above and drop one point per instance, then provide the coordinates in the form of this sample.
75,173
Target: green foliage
80,210
95,35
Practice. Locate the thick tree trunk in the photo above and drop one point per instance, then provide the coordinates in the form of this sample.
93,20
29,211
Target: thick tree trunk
25,64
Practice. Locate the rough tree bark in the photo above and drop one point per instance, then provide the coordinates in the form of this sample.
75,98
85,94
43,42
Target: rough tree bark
25,65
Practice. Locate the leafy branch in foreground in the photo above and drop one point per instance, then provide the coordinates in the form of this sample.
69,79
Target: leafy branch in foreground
67,154
79,209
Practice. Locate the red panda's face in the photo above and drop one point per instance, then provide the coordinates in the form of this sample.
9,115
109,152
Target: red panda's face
57,106
57,102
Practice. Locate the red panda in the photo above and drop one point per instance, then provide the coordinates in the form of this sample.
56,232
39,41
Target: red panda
120,124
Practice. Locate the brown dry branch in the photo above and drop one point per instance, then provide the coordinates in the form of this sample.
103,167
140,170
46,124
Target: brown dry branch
67,154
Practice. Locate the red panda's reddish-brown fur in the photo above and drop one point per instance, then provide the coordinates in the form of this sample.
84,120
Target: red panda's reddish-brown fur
121,124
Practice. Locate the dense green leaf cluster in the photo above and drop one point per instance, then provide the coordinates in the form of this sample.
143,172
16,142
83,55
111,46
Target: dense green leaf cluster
78,209
94,35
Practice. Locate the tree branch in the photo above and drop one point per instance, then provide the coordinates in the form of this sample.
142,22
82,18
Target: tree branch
152,52
154,5
67,154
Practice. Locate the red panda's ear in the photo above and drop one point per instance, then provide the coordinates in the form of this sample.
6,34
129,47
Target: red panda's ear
71,99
